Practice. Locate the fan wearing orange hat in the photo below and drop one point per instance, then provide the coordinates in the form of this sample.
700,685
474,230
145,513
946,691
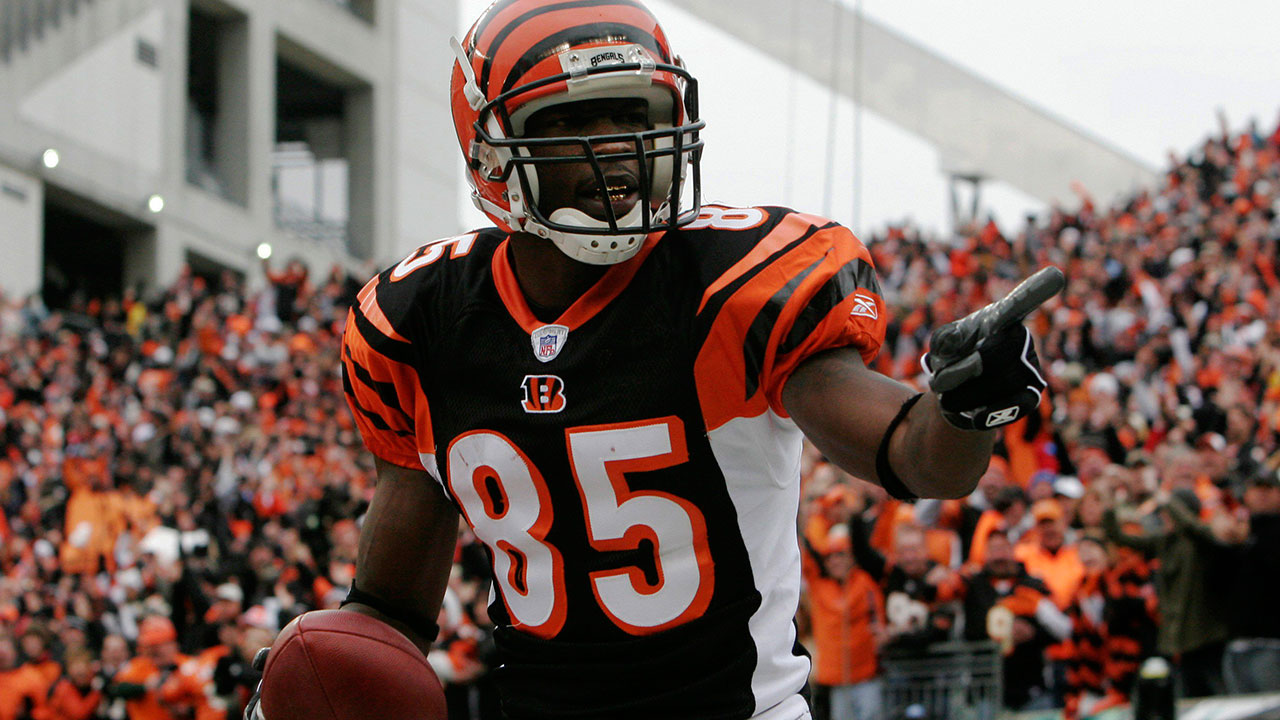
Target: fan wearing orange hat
1047,553
847,610
158,657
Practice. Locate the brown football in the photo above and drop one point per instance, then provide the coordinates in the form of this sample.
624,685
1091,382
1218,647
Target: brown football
340,665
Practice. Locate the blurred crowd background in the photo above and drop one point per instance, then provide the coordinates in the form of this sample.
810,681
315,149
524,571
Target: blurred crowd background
180,476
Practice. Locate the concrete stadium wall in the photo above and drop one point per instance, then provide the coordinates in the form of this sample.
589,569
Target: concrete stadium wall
120,125
107,100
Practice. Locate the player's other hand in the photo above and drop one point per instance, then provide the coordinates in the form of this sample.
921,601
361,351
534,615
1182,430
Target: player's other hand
253,711
984,366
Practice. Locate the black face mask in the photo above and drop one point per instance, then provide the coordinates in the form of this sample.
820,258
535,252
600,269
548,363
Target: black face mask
674,145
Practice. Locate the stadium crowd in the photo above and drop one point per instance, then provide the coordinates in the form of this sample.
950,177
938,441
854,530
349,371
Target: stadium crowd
180,476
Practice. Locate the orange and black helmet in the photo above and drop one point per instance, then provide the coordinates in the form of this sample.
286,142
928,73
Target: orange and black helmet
522,56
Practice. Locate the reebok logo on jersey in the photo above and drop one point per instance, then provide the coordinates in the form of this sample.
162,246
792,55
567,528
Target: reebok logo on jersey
543,394
864,306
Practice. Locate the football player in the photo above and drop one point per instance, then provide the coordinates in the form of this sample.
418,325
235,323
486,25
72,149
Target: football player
611,384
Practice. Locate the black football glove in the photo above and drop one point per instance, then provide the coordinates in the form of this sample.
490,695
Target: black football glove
253,711
984,366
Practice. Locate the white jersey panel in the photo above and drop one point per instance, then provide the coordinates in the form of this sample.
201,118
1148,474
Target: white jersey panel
760,459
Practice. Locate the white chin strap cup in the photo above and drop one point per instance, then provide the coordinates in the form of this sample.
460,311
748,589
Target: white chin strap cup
592,249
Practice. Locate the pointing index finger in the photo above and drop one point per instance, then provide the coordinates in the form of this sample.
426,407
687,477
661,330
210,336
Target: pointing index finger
1027,296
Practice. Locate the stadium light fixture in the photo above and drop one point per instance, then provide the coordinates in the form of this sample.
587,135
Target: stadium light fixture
264,251
155,203
50,158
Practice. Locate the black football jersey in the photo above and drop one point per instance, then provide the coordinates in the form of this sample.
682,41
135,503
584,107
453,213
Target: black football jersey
629,466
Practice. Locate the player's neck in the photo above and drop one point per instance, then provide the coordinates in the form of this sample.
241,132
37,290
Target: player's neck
548,278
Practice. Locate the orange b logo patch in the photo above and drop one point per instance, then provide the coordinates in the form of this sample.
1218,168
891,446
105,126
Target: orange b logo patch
543,394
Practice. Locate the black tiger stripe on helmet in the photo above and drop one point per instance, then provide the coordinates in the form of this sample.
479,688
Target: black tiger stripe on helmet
490,49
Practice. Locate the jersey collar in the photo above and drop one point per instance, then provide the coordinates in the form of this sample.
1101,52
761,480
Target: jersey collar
595,299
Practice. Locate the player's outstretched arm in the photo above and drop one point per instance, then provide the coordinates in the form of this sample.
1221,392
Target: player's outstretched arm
984,373
845,408
406,551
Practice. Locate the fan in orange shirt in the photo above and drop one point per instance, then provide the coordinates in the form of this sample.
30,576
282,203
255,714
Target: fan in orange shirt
189,690
34,643
847,611
22,689
159,658
1007,515
74,697
1048,556
95,517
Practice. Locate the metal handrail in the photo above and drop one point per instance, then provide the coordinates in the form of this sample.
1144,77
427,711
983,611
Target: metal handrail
947,681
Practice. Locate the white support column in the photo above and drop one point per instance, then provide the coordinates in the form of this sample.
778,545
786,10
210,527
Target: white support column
21,233
173,69
262,115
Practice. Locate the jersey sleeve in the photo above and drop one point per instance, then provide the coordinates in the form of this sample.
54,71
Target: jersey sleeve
378,376
836,303
806,286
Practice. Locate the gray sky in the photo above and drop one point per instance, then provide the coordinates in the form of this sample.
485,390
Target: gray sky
1148,76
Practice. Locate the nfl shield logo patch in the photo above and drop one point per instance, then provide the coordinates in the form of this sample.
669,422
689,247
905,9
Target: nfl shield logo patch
548,341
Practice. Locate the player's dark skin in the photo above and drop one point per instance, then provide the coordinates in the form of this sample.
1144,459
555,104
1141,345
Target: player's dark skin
549,278
406,544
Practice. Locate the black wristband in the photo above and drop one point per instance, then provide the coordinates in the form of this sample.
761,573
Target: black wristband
889,480
417,622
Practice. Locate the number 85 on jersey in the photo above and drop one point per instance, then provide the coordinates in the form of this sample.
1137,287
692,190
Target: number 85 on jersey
514,523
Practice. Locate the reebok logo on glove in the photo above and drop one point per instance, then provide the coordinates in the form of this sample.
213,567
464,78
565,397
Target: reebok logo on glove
1003,417
984,366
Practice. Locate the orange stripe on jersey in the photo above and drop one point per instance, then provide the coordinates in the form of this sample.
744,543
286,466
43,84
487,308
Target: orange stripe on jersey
372,311
835,330
397,434
749,351
368,366
608,287
720,369
382,368
858,320
792,228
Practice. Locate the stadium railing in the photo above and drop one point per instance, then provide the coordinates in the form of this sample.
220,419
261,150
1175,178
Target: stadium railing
949,681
